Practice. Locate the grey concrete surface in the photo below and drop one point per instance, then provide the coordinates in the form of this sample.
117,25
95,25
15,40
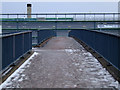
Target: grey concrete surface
63,63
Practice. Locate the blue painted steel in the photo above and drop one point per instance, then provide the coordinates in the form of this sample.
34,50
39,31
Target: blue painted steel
7,51
45,34
28,40
18,45
14,46
107,45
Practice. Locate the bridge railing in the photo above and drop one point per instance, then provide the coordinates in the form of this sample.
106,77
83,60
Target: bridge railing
62,17
43,35
107,45
15,46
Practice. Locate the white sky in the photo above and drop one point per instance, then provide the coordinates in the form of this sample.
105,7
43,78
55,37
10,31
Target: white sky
60,0
39,7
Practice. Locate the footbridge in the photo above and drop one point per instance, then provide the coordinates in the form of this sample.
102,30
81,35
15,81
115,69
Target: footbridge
60,50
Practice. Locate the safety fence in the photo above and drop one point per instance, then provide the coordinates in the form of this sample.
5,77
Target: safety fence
15,46
36,19
38,25
107,45
61,17
44,35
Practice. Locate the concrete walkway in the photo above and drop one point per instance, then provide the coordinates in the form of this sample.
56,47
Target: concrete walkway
62,63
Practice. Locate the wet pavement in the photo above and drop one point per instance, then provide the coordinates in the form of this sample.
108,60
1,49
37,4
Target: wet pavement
62,63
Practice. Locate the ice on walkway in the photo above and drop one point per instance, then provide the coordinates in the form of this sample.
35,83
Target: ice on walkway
62,63
17,75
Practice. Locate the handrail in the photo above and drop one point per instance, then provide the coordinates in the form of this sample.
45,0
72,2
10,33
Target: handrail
56,13
75,16
15,33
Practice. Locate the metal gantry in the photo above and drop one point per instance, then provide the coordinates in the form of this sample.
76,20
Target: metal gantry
75,16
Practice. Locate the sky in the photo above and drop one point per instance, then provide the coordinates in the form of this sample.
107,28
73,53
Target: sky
40,7
60,0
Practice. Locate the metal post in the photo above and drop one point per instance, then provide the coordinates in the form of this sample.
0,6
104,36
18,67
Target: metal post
104,17
36,15
29,41
55,16
113,16
65,17
84,17
17,16
46,16
17,22
17,25
55,25
94,25
8,16
75,16
23,43
94,16
13,47
37,37
118,16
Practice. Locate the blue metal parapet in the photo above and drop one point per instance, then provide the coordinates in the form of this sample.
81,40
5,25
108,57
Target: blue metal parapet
15,46
44,35
107,45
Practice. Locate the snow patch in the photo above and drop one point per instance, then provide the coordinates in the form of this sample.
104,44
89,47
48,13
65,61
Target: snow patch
21,79
16,74
87,54
91,66
71,51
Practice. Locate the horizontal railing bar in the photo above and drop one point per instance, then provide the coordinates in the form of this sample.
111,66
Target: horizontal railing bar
17,33
91,30
59,13
65,21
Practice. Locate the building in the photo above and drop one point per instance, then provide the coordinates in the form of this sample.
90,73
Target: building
29,10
